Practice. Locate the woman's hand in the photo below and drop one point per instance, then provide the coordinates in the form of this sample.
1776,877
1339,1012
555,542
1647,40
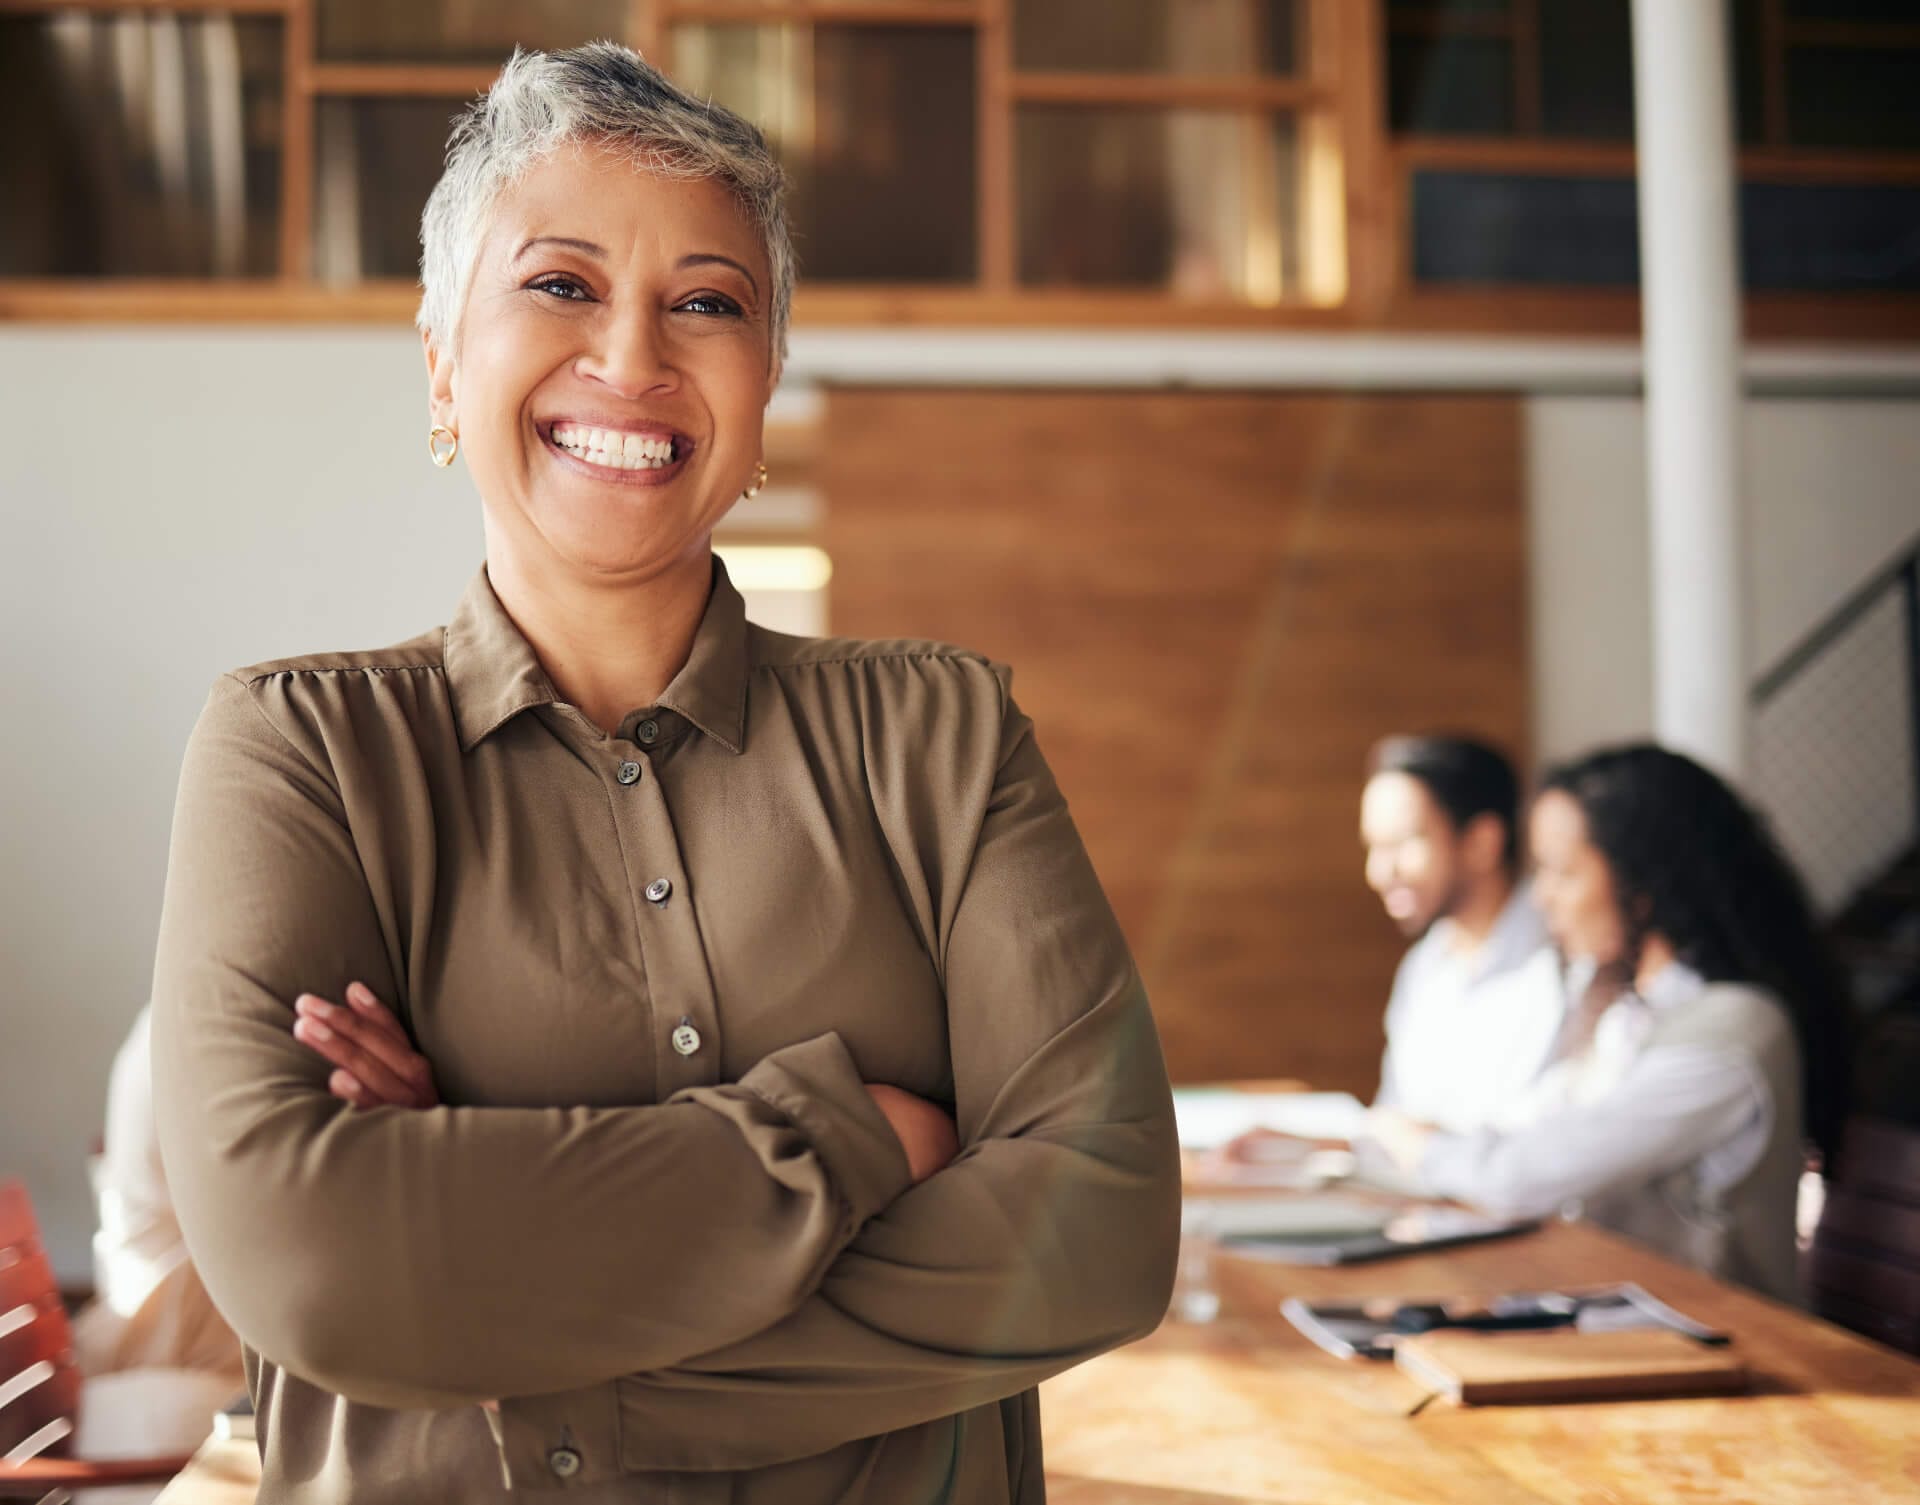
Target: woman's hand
1404,1139
378,1066
925,1130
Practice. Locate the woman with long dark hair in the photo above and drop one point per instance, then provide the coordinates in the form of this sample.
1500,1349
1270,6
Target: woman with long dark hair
1711,1049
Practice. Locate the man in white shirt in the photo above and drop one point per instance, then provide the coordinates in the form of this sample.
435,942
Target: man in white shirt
1479,1000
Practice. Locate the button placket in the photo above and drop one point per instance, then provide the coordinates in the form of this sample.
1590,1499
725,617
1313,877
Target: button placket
680,996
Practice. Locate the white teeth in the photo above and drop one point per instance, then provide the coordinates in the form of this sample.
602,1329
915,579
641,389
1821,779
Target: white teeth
613,448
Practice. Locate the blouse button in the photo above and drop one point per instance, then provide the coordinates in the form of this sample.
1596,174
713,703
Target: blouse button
629,773
648,732
686,1039
659,891
564,1462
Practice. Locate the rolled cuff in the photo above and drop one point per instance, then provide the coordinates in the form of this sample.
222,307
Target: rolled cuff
817,1087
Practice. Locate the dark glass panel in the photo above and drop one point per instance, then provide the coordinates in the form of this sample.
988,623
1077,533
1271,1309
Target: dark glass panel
1586,69
140,146
1872,11
1201,204
1749,72
1182,37
1854,97
876,126
375,162
458,31
1449,86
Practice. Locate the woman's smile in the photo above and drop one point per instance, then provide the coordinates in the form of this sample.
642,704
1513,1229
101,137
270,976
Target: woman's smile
615,454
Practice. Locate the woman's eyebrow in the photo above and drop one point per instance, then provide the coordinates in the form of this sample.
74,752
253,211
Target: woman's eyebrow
560,240
709,258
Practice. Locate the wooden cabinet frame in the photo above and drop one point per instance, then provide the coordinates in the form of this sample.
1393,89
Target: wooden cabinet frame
1341,87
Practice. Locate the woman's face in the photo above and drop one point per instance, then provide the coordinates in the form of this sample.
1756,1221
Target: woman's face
1572,884
612,368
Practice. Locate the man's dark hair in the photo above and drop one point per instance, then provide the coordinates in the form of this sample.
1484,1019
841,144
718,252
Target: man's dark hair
1465,776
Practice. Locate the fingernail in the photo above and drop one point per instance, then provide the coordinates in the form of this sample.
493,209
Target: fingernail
316,1006
360,993
313,1029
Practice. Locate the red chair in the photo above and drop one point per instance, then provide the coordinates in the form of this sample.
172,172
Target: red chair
41,1391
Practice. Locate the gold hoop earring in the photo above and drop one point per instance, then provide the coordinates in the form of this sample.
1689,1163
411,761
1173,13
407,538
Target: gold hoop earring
759,480
442,458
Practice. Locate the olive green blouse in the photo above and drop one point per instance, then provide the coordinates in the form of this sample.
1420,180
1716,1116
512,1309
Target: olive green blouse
658,1216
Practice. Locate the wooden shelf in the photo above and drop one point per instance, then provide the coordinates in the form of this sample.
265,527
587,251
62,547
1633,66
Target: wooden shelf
1868,318
824,12
1154,91
398,80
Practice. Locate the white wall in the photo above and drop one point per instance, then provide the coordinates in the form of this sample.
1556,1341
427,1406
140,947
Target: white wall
175,502
1832,491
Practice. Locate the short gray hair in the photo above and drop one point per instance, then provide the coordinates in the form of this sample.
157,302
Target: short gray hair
601,93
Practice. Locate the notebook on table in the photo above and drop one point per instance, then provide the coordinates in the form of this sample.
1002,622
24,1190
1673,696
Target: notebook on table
1528,1368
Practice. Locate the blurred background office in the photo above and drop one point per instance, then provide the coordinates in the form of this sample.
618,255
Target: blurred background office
1258,377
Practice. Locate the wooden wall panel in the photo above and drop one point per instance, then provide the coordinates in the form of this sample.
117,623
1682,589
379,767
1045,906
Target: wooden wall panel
1213,604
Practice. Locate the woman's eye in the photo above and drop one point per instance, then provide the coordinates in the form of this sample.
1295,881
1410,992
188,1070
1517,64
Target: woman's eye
563,288
711,304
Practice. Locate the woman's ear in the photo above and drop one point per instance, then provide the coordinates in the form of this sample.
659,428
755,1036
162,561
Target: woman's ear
440,404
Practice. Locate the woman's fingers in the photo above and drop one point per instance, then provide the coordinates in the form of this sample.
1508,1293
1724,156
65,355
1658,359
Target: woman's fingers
398,1051
366,1006
344,1084
388,1070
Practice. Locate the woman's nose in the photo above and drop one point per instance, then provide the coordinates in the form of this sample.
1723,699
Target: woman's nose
631,358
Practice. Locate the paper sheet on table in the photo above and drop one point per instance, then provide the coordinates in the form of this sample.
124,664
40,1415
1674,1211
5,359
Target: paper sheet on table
1209,1117
1293,1217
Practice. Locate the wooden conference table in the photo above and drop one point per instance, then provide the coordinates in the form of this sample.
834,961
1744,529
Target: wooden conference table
1245,1410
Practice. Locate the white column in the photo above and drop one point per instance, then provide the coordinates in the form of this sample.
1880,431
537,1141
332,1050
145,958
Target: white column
1690,301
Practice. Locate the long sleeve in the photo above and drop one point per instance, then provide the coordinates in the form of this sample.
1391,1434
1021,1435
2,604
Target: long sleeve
1674,1104
389,1255
1050,1238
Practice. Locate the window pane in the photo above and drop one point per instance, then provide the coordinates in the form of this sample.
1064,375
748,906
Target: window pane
140,146
876,126
1854,97
1515,229
1208,37
1749,71
1512,228
458,31
1202,204
1440,85
1586,69
376,160
1830,237
1851,10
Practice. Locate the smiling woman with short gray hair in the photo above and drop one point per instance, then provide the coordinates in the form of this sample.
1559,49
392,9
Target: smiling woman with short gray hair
604,1043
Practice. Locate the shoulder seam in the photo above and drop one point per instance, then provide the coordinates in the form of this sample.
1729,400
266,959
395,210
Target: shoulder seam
943,655
252,678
